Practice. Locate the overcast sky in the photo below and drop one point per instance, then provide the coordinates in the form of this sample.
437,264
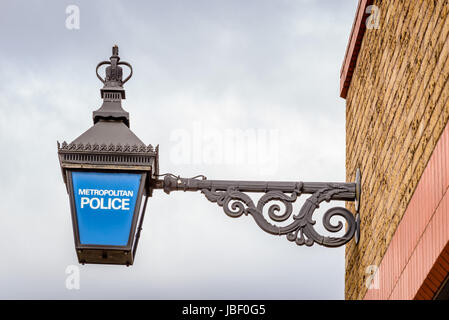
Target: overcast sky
203,70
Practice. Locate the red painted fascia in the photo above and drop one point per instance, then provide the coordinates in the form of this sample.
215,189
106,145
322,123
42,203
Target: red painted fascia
353,47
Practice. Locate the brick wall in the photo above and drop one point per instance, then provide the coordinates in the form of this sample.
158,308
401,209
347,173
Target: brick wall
396,109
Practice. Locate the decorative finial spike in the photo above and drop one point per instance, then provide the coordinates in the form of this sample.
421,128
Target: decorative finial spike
115,50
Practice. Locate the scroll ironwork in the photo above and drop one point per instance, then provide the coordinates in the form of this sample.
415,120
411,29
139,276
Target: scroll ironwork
233,198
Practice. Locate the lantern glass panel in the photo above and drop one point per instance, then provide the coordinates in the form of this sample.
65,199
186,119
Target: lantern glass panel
105,204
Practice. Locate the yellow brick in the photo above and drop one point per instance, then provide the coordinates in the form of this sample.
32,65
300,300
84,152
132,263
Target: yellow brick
396,109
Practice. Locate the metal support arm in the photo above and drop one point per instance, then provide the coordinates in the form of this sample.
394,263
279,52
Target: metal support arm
231,195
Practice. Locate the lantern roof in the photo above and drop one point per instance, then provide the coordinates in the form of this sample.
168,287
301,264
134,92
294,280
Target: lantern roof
109,143
109,132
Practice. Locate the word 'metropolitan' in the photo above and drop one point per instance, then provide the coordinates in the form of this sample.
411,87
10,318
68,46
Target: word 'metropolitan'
113,203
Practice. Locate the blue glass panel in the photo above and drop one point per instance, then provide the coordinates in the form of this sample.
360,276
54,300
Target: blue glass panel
105,204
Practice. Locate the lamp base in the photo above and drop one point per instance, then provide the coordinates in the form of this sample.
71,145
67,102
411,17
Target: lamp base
105,256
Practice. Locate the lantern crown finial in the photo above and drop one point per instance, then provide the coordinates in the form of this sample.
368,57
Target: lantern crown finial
114,72
113,91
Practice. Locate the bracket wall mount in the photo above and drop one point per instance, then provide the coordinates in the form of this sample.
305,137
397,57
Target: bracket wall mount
233,198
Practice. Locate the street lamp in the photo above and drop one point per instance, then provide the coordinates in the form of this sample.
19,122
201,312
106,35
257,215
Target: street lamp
110,173
107,171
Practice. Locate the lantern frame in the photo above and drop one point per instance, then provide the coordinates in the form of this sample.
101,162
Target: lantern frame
108,254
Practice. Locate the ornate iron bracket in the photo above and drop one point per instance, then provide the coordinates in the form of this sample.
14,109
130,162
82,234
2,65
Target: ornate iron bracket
235,202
